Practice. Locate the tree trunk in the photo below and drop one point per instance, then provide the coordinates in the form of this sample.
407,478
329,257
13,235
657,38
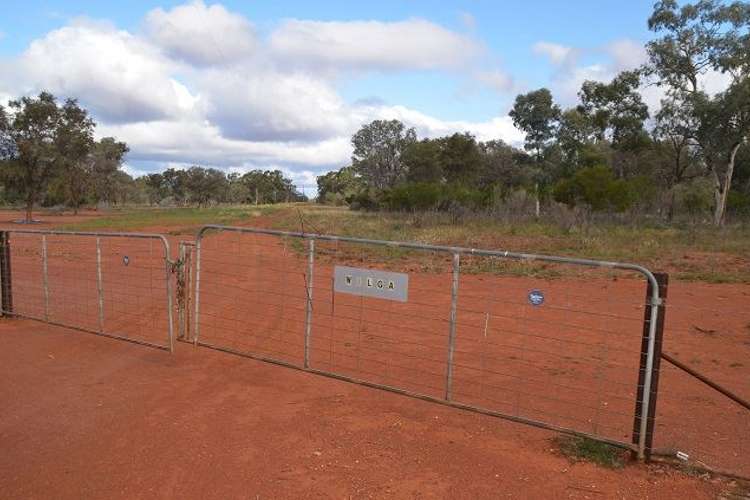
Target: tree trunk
537,210
722,188
29,209
670,210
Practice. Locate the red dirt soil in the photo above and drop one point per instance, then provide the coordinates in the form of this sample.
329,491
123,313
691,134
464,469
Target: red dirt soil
87,417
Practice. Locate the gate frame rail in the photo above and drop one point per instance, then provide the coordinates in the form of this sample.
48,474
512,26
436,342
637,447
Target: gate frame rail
6,283
654,302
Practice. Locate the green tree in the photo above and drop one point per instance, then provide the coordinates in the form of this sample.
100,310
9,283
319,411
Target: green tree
536,115
615,110
29,133
695,39
378,150
156,188
108,182
339,186
175,182
422,161
460,159
74,142
205,185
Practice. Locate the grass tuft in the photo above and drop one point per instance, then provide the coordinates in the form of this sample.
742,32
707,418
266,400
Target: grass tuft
578,448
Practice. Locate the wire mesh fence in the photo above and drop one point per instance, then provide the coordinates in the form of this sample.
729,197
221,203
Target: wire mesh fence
707,330
565,344
489,331
114,284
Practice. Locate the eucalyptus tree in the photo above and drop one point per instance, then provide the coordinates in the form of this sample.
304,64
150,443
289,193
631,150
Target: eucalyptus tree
378,150
536,114
29,130
697,42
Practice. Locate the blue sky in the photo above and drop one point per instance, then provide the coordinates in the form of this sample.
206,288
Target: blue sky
474,58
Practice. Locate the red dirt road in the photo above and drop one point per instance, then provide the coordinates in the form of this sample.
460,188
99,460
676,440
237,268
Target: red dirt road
83,416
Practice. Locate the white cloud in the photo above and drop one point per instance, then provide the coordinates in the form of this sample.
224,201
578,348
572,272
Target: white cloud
117,75
368,45
556,53
613,58
200,34
428,126
626,54
268,105
497,80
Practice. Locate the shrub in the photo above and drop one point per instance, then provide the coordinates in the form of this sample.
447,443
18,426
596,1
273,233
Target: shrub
597,188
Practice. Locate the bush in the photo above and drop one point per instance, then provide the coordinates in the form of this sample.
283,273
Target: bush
597,188
738,203
434,196
696,197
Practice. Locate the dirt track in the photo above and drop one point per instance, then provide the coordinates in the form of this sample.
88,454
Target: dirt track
88,417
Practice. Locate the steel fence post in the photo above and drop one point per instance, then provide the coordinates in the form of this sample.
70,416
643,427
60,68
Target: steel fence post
170,305
181,303
45,278
99,283
6,283
452,331
649,366
196,316
309,306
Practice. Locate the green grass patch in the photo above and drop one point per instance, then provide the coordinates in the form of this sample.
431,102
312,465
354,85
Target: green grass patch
689,252
175,220
578,448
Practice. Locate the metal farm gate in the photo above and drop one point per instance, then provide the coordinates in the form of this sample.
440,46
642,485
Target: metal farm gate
572,345
113,284
487,331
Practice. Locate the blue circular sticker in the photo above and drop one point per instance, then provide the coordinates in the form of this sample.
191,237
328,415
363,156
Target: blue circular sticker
536,297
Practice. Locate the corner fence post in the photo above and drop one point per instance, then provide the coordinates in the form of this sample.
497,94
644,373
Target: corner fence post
6,283
452,331
662,280
309,290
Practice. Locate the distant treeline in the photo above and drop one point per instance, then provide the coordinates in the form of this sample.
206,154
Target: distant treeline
203,186
607,153
48,156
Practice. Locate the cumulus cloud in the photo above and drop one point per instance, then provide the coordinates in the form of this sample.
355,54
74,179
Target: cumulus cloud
119,76
428,126
200,34
273,106
367,45
197,86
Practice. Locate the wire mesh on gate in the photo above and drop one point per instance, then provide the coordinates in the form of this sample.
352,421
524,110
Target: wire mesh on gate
114,284
550,341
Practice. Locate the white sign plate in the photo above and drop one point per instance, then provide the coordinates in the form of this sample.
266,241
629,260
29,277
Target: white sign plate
371,283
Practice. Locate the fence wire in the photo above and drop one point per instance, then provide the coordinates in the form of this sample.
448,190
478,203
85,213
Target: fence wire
707,329
468,333
113,284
